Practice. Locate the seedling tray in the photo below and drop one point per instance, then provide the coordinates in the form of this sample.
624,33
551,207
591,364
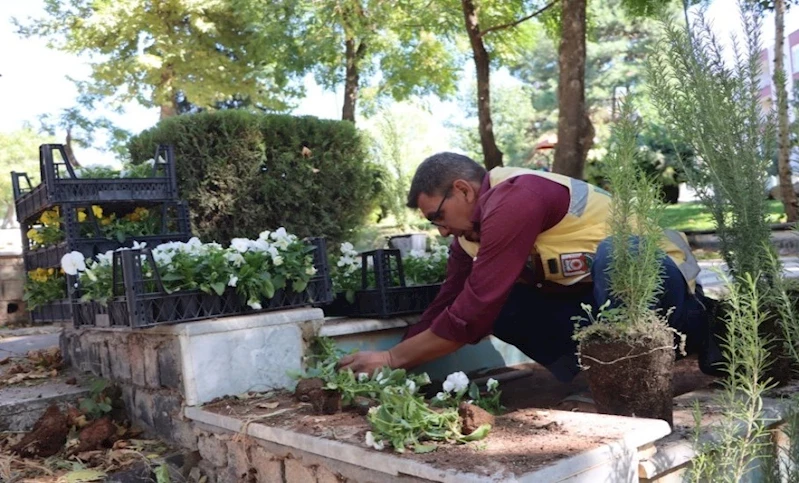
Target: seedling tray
59,184
140,307
175,226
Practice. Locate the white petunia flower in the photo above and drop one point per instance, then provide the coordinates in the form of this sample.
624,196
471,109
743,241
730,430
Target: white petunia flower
233,280
442,396
73,262
279,234
411,386
254,304
492,384
310,271
139,246
363,377
278,260
371,441
241,245
264,235
457,382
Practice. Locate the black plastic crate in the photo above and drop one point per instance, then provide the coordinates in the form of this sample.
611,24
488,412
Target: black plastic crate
59,311
142,302
175,226
59,184
382,305
391,296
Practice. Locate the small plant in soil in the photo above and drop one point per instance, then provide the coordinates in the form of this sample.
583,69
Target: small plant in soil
628,347
457,386
393,404
741,435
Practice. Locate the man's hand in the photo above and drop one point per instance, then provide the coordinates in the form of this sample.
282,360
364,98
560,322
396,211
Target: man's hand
366,361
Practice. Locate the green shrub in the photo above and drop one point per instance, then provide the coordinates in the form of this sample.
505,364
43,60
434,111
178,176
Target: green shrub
243,173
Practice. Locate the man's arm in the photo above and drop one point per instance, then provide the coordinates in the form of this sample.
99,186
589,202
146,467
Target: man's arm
459,265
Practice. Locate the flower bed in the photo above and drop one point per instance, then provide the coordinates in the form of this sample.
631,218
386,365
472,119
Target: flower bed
61,183
381,284
181,282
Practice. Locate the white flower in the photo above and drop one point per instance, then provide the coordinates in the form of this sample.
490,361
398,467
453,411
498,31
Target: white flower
411,386
235,258
91,275
442,396
310,271
264,235
279,234
363,377
379,378
371,441
241,245
233,280
424,379
73,262
139,246
457,381
278,260
254,304
492,384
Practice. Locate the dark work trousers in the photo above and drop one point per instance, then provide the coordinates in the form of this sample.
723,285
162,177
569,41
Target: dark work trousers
540,323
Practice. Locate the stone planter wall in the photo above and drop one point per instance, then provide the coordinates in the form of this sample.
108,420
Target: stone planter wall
161,370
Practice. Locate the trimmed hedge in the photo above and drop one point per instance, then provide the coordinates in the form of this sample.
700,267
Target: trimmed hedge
243,173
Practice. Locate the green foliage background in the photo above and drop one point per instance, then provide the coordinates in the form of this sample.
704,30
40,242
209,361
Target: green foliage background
243,173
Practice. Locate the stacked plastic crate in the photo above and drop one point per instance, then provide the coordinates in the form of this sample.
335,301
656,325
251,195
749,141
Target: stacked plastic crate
79,207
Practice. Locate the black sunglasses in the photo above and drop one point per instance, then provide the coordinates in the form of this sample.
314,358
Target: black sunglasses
437,215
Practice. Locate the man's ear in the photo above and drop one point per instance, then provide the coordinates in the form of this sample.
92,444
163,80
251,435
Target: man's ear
465,188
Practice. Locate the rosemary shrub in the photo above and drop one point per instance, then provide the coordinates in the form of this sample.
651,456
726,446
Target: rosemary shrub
635,269
715,107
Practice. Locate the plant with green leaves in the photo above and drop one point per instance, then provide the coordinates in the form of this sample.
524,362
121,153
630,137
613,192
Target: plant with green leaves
404,420
636,253
715,107
98,404
402,417
457,386
345,271
741,435
424,268
43,286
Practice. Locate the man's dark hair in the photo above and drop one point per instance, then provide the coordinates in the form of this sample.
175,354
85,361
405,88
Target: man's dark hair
439,171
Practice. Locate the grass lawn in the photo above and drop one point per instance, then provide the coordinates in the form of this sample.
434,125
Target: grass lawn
694,216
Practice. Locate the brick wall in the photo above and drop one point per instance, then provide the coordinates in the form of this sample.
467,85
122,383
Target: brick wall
146,367
233,458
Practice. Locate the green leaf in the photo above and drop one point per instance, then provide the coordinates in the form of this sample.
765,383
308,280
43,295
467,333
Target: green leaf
474,391
478,433
299,286
162,474
218,287
78,476
424,448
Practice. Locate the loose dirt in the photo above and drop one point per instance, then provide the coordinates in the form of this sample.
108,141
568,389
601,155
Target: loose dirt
526,438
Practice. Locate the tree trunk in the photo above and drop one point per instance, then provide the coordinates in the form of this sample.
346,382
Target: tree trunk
352,78
491,154
68,150
789,200
168,103
575,131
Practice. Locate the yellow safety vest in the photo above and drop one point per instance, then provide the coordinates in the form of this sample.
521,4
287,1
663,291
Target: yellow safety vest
567,249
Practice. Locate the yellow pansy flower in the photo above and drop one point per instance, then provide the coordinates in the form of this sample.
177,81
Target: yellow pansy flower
34,235
107,220
49,217
38,275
